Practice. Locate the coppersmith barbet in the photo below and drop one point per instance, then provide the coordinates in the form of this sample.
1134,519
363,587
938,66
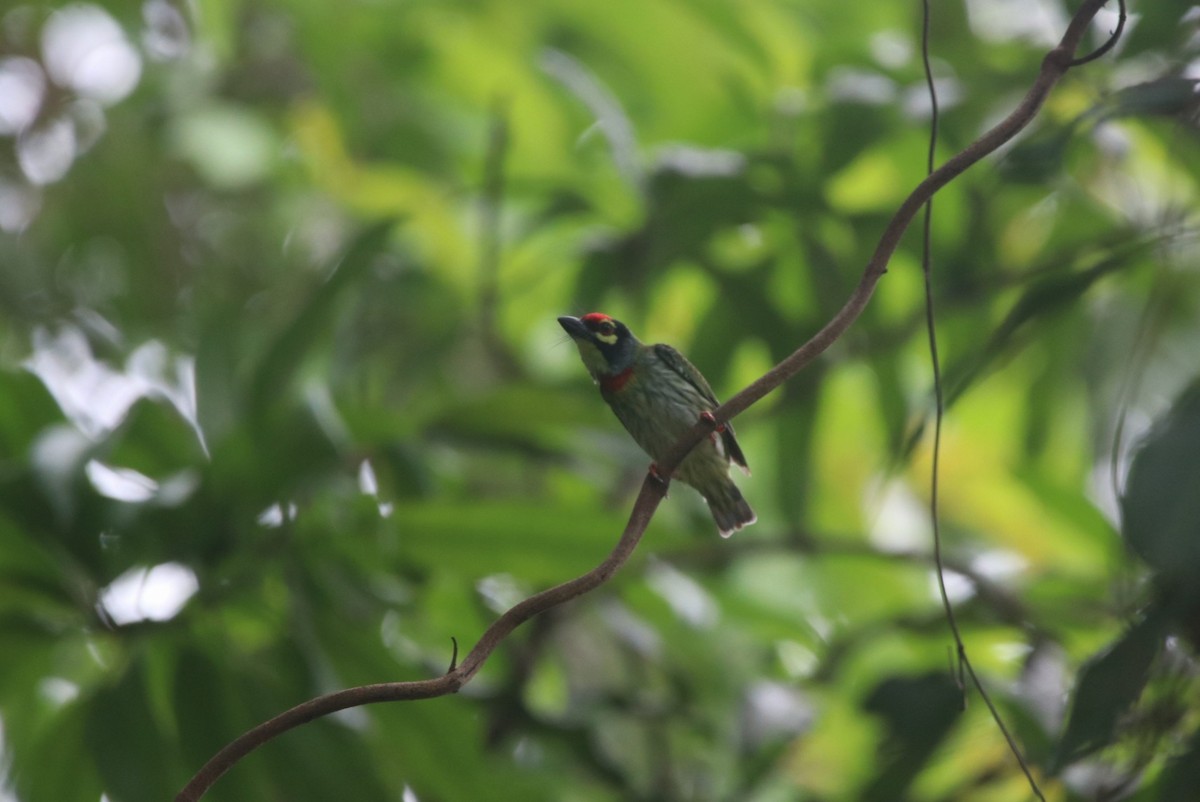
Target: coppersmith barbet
658,395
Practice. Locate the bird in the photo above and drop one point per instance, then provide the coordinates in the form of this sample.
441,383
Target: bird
658,396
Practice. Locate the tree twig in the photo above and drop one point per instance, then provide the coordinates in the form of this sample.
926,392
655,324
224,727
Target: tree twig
1054,66
1110,42
450,682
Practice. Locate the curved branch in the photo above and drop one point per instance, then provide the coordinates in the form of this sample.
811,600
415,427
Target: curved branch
652,492
1054,66
1110,43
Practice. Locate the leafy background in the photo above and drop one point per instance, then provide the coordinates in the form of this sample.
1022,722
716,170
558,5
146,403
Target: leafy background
284,406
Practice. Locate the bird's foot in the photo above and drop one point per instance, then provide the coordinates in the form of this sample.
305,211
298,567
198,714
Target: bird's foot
658,477
708,416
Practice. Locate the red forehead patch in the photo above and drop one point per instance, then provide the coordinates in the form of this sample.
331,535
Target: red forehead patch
595,317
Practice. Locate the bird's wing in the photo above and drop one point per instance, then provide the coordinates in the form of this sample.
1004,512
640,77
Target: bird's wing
678,363
733,449
686,370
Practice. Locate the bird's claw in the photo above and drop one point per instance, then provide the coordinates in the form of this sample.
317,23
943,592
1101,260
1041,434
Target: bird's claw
708,416
658,477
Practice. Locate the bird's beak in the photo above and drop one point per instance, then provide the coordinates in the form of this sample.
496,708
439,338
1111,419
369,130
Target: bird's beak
574,327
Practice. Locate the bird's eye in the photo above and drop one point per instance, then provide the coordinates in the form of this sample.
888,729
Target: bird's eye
606,329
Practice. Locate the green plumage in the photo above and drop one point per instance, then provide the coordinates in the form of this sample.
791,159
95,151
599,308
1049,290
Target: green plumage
686,370
658,396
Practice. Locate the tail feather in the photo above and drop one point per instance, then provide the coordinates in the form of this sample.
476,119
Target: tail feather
729,508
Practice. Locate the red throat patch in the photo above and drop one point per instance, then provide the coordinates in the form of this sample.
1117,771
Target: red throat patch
615,382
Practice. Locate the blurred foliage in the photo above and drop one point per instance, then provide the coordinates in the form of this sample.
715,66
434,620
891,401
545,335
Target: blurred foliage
284,407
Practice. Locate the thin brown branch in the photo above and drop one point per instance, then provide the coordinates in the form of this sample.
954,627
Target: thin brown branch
1054,66
653,491
1110,42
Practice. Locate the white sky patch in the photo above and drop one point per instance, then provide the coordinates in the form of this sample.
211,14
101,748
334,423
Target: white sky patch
19,205
58,691
500,591
85,49
999,565
95,396
686,597
324,409
166,36
892,49
58,450
368,484
1101,492
177,488
901,521
274,516
46,153
1044,684
694,161
149,594
1040,22
958,587
774,709
122,484
56,456
917,105
852,85
90,393
22,87
640,636
1011,652
5,761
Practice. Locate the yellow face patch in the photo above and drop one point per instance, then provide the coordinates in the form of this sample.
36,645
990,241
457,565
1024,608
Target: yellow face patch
593,360
602,327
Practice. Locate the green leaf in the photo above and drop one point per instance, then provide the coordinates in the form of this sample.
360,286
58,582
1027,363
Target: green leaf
503,417
1181,777
1109,683
130,749
1161,507
1040,158
1164,97
55,766
919,711
278,368
531,541
26,408
1043,300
